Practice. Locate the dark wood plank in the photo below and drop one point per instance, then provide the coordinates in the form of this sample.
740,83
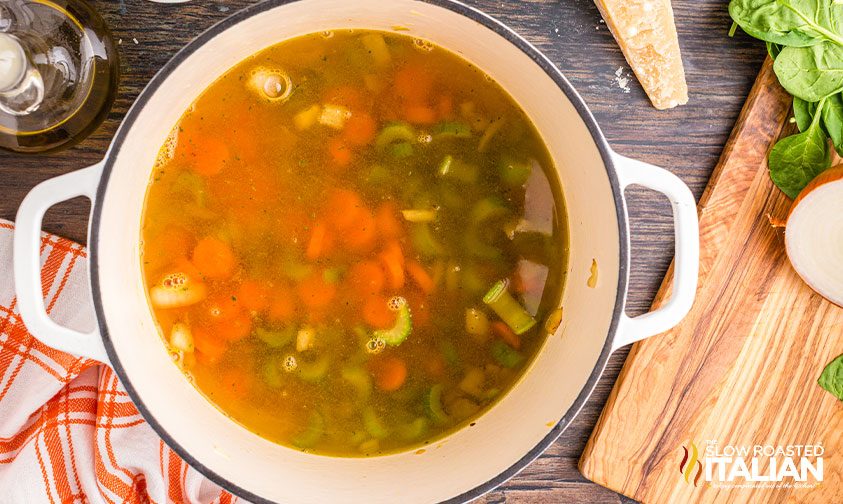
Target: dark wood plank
687,140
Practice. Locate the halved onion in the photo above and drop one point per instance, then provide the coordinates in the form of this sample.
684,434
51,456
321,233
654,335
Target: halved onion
814,235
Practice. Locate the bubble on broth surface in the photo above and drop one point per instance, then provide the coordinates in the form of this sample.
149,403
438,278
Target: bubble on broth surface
423,45
396,303
290,363
271,83
375,345
327,34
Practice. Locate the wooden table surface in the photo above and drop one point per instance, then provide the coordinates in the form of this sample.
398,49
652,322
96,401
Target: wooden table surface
686,140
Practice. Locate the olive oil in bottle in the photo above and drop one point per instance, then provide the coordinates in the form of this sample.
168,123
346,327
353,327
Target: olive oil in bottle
58,73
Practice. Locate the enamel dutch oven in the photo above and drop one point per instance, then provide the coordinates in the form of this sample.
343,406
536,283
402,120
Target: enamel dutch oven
463,465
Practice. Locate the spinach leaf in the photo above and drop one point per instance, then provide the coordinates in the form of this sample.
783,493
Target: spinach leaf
833,120
831,378
795,160
803,112
794,23
773,49
811,73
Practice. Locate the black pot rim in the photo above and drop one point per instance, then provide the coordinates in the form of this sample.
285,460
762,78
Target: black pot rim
489,22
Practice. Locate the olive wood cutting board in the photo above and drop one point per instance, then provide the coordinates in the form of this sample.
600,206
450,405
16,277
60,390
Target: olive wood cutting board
741,369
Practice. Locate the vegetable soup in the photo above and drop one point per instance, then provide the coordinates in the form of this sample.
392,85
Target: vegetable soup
354,242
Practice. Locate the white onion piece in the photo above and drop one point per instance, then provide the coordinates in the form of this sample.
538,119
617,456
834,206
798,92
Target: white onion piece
181,338
814,235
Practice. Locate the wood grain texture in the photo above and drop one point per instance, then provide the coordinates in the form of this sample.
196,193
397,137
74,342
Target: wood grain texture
687,140
742,368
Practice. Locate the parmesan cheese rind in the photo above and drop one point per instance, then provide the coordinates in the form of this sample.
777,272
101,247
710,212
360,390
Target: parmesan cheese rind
646,33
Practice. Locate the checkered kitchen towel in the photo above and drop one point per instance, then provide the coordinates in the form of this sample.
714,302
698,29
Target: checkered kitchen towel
68,431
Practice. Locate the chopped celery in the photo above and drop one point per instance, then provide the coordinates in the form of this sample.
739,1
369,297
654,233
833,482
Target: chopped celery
491,207
377,174
453,129
359,379
401,150
449,352
272,373
373,424
191,185
414,430
472,281
477,247
332,275
508,309
424,242
455,169
395,132
312,433
505,355
314,371
403,324
295,270
276,338
434,405
416,215
514,173
490,132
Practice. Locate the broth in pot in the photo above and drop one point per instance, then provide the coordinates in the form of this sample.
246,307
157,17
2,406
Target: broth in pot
354,242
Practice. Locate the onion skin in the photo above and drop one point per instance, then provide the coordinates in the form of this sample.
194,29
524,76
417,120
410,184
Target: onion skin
831,175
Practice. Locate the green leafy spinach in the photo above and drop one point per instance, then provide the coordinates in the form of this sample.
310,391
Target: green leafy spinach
831,378
805,40
797,159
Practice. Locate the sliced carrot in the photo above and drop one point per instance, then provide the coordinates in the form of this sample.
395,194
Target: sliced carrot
376,312
214,258
387,220
282,308
346,96
413,82
445,107
365,278
360,236
421,277
208,156
340,152
236,328
209,346
221,307
341,208
316,245
390,373
392,259
419,114
253,295
315,293
506,334
360,129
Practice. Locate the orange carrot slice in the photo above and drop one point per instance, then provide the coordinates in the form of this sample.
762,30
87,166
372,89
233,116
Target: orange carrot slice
390,373
214,258
421,277
506,334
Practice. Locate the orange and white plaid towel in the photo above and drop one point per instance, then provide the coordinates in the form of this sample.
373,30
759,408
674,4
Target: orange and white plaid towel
68,431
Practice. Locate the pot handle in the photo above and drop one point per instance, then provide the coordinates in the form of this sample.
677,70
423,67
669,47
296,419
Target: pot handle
27,262
686,263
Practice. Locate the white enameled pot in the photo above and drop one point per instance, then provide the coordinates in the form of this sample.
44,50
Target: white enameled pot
463,465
